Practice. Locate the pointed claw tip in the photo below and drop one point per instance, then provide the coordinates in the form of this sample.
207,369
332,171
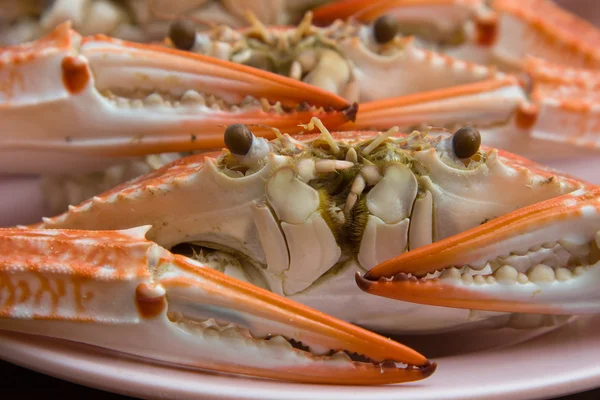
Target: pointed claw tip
428,369
363,282
369,282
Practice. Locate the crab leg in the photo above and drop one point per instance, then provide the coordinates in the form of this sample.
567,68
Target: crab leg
117,290
570,222
68,98
542,29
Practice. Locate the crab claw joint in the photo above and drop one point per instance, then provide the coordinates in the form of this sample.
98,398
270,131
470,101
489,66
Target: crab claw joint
120,291
539,259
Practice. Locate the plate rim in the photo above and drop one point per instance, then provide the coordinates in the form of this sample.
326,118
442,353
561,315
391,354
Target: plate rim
43,356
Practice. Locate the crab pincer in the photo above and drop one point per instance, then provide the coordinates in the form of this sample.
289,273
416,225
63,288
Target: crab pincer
119,291
83,103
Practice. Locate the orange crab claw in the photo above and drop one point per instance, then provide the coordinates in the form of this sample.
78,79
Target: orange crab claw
120,291
571,222
483,102
68,96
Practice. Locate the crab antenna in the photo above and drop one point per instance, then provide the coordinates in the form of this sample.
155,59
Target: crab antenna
326,135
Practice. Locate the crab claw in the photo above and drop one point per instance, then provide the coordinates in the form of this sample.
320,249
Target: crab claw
66,99
120,291
500,262
485,103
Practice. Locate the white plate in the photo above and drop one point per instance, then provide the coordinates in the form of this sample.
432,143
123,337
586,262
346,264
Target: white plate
555,364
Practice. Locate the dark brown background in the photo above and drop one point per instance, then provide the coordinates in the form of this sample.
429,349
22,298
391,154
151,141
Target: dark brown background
20,383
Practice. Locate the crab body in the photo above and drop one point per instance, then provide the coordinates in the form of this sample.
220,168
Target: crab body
303,218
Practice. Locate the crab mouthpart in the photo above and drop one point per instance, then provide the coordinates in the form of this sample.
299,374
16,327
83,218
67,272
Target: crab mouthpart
539,259
119,291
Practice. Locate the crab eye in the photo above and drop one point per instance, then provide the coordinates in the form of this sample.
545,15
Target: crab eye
238,139
385,28
466,142
183,34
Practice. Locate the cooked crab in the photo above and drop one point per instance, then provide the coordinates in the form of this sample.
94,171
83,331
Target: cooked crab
434,79
301,215
553,51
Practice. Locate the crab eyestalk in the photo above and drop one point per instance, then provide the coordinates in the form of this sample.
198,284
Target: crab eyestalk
508,248
72,100
120,291
466,142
